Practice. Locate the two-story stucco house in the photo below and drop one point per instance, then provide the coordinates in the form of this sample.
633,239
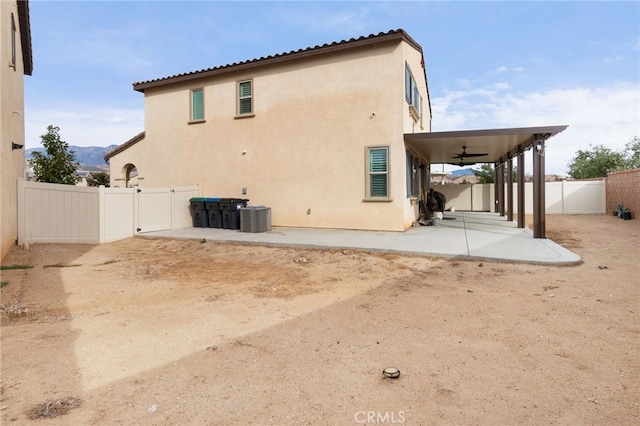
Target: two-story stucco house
331,136
316,134
15,63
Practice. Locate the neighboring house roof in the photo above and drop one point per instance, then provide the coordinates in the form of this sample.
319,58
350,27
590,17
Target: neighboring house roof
372,39
134,140
25,35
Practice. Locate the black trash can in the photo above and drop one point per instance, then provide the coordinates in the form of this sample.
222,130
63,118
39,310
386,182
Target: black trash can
198,212
230,208
214,213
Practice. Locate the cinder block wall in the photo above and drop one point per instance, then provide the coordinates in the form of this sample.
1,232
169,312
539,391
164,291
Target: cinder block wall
624,187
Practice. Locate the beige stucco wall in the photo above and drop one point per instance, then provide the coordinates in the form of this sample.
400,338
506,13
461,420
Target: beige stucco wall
303,153
415,61
12,162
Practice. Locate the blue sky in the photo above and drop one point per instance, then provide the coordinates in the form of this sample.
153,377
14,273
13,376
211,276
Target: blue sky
489,64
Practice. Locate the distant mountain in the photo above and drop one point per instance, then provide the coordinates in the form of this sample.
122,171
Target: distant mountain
85,155
462,172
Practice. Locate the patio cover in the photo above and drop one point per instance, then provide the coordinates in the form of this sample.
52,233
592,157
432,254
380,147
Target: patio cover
500,147
500,144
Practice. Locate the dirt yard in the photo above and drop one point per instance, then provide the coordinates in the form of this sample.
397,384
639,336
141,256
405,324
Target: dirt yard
154,332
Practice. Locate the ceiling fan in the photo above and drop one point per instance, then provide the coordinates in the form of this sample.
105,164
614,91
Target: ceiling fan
461,164
464,154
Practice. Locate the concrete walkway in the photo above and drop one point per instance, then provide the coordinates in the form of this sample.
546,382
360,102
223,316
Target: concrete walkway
466,235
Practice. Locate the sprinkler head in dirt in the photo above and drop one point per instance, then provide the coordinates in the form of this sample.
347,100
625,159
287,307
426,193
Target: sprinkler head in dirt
391,372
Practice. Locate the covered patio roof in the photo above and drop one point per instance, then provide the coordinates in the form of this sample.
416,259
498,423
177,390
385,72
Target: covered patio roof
498,144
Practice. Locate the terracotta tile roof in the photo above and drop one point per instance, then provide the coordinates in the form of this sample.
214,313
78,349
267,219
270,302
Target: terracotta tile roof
398,34
134,140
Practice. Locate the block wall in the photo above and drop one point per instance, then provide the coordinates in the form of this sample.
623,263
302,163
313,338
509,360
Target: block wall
624,187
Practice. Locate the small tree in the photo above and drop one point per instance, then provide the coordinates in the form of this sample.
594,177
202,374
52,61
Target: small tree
97,179
596,162
57,164
632,154
487,173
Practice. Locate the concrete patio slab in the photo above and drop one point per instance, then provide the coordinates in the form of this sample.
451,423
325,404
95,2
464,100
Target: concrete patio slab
468,235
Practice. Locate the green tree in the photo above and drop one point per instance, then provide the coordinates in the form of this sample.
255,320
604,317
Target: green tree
57,164
632,154
97,179
486,173
596,162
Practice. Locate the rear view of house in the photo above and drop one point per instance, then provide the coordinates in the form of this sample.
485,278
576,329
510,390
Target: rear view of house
317,134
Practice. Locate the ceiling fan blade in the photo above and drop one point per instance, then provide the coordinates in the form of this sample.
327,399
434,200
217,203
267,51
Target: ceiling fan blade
462,164
464,154
475,155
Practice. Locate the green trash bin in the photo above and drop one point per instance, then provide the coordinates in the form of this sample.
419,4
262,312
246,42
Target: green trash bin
198,211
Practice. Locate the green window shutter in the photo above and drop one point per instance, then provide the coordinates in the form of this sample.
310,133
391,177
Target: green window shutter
244,89
378,160
245,106
245,97
379,185
197,104
378,172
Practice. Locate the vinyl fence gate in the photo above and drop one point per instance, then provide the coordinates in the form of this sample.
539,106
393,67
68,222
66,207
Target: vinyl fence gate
53,213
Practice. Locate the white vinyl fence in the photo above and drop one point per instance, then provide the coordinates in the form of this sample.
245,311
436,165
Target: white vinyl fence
52,213
564,197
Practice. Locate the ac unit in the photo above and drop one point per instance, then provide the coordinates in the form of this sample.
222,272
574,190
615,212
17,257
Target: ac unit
255,219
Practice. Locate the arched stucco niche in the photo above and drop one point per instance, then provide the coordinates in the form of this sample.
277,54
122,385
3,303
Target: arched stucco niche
130,175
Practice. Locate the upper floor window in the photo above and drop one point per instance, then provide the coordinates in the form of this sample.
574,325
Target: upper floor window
13,41
197,105
245,98
412,94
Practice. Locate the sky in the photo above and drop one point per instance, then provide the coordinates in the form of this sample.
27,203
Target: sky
489,64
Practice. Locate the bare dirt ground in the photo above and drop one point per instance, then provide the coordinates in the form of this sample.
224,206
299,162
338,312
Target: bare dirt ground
154,332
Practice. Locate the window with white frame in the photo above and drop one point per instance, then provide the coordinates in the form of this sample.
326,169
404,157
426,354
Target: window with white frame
245,98
412,94
377,173
197,105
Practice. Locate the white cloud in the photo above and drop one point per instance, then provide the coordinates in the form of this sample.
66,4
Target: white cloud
319,19
608,115
503,69
614,59
86,126
501,86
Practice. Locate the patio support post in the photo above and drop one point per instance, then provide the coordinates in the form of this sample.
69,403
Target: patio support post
510,189
521,213
496,192
538,187
500,189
